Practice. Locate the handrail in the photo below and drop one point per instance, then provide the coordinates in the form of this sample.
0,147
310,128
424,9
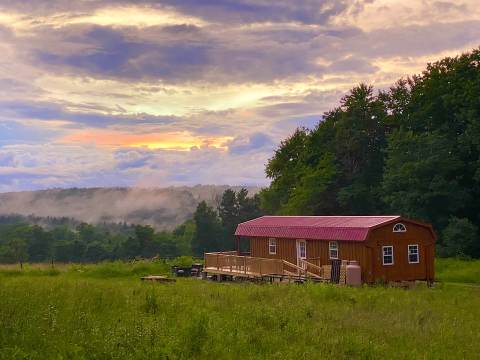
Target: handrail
312,265
300,269
221,253
292,265
313,275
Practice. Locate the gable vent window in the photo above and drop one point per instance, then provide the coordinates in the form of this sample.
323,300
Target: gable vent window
399,228
272,246
413,257
387,255
333,249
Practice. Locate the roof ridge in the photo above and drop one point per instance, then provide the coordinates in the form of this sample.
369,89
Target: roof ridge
336,216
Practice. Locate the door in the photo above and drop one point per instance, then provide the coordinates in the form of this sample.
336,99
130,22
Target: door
301,253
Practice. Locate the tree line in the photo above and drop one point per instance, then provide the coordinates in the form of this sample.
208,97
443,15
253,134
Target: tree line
20,242
37,239
411,150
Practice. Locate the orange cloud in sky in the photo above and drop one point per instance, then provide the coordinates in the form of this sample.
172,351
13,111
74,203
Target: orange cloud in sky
167,140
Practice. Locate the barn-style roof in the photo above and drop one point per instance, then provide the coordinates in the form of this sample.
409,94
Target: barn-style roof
353,228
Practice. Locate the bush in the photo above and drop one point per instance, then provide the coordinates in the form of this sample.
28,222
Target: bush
183,261
459,239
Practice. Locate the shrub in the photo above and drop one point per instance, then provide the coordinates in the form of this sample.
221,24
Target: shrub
459,239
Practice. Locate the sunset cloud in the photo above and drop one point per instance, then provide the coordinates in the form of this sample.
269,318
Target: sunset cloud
153,93
166,140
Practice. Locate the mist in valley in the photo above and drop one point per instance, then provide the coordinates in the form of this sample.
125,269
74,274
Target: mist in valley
162,208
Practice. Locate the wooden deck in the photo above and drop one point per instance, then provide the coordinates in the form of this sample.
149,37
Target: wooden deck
231,264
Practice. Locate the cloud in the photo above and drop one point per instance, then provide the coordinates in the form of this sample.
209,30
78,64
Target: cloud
247,11
39,166
13,132
132,158
46,111
182,92
254,142
352,64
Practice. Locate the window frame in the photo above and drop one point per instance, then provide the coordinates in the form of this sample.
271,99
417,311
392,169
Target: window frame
330,243
402,230
272,242
417,253
383,255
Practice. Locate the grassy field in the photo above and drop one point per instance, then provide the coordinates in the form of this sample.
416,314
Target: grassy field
458,271
104,312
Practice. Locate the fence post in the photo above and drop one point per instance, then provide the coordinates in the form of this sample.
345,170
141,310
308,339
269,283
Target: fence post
245,264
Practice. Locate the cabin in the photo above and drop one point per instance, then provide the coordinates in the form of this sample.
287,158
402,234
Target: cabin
387,248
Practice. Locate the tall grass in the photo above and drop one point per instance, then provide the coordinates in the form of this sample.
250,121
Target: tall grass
104,312
107,269
458,271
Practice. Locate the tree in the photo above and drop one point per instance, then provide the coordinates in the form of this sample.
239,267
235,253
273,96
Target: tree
95,252
86,232
183,235
420,177
208,230
145,236
17,249
40,245
228,210
285,169
311,195
460,238
335,168
130,248
248,206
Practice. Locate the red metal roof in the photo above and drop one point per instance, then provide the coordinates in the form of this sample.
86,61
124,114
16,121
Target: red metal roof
354,228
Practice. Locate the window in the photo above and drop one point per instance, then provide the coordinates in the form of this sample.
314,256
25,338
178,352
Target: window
413,257
272,246
399,228
333,249
387,255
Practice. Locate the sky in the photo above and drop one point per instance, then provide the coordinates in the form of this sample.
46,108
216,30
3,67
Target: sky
185,92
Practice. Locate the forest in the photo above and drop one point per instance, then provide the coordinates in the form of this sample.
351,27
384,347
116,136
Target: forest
36,239
412,149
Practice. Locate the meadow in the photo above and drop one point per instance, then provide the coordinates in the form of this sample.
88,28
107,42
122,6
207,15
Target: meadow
104,311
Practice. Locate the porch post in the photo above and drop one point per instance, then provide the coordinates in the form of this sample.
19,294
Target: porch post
237,239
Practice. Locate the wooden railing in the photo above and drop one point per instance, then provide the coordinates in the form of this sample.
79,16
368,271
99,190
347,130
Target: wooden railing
312,268
229,262
226,261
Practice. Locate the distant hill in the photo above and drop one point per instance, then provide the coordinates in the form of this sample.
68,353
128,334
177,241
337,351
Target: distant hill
163,208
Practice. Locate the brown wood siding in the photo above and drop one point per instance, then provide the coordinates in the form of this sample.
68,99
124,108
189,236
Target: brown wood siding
402,269
317,252
286,249
347,250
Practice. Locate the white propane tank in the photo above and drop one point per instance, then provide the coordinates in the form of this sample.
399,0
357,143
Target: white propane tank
354,274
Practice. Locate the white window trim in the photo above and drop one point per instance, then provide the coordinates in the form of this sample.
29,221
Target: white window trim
399,231
383,255
299,252
272,242
418,254
330,243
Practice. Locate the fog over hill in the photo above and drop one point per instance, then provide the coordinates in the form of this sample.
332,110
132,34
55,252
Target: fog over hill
163,208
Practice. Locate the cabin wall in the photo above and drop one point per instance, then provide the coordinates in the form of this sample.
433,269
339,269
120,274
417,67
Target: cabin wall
286,249
402,270
317,252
